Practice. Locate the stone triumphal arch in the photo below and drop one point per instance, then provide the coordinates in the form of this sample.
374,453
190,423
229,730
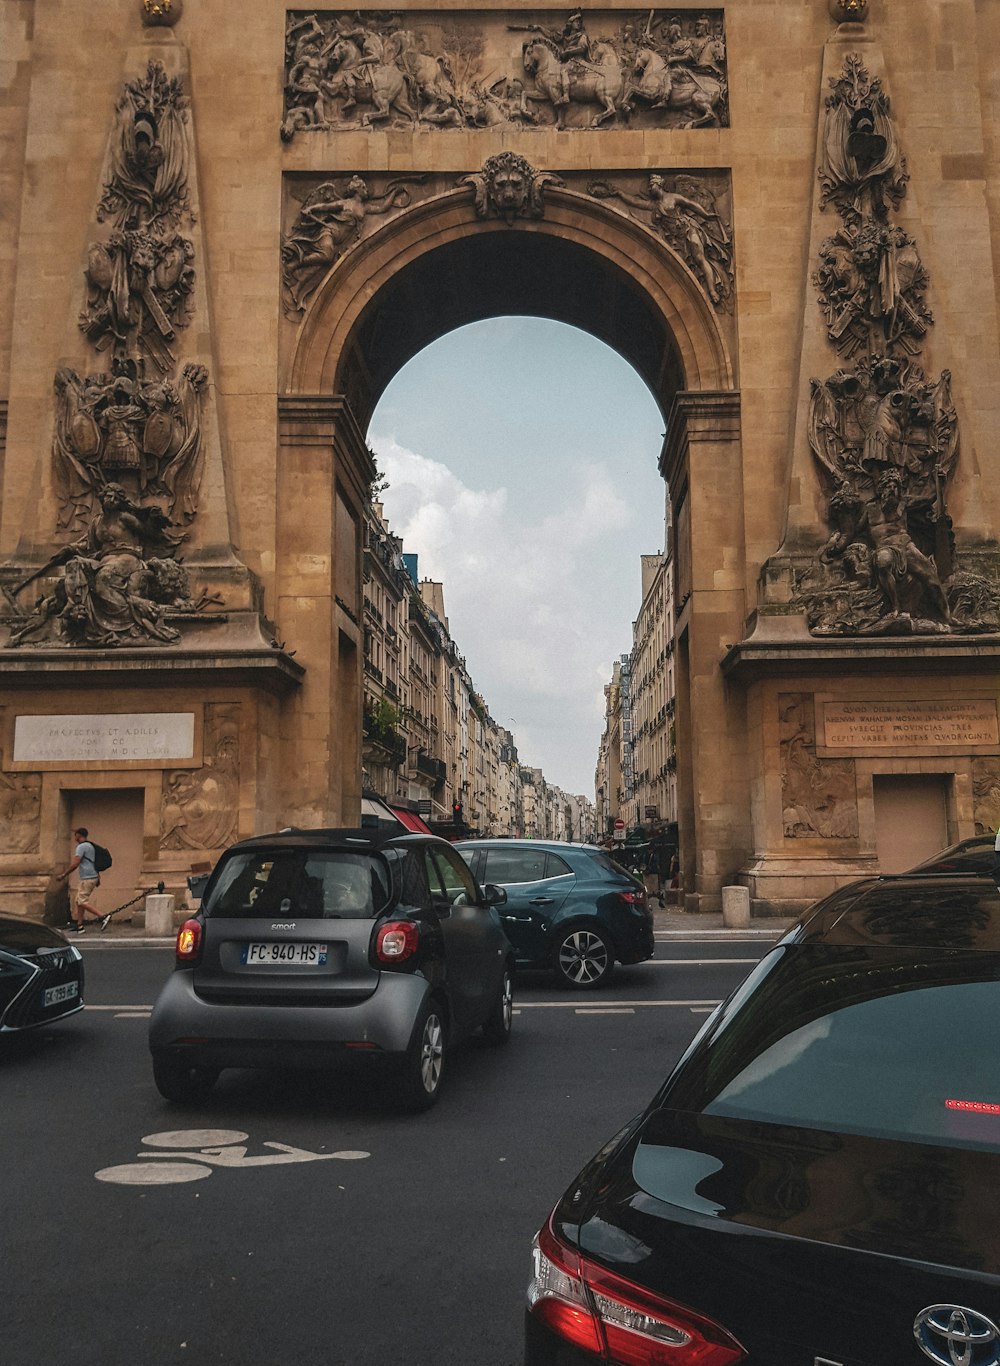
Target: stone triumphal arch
241,225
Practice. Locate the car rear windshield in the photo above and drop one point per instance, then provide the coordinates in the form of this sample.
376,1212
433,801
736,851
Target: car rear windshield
304,883
896,1044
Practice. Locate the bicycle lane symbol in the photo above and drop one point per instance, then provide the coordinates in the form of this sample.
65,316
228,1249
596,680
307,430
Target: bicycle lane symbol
192,1154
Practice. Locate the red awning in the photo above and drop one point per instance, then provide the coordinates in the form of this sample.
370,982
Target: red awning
411,820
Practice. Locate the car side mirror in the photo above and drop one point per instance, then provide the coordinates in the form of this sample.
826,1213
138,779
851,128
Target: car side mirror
494,895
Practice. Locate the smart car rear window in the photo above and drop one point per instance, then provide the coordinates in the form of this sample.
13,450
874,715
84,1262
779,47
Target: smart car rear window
304,883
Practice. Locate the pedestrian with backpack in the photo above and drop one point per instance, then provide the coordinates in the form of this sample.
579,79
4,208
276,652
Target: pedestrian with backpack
90,859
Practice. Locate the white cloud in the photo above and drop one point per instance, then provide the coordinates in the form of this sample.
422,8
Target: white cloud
518,593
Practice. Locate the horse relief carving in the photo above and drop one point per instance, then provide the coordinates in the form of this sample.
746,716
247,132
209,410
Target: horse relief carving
603,69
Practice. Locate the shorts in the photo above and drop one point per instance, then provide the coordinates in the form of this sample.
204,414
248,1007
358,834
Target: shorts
86,888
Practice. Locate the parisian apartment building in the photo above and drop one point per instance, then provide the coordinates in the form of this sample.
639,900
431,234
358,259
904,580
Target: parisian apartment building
635,778
428,739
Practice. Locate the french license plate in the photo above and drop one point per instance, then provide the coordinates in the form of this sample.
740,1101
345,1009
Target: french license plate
310,954
51,996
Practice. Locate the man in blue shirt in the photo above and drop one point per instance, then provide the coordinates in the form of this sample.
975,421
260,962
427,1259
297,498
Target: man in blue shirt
83,858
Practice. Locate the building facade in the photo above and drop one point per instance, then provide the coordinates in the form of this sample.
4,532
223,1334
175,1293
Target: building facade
226,235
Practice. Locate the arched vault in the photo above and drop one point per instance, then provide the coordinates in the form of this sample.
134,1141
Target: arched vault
436,267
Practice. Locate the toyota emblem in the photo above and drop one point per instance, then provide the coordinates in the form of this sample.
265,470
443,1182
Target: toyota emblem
953,1336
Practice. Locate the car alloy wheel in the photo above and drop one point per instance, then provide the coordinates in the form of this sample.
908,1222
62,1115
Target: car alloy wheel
496,1030
583,959
424,1063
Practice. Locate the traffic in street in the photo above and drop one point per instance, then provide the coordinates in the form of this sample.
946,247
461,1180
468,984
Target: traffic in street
298,1216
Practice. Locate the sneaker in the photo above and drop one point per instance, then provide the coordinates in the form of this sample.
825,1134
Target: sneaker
74,928
105,921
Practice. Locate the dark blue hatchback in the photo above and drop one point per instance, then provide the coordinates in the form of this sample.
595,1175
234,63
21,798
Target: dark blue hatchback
569,906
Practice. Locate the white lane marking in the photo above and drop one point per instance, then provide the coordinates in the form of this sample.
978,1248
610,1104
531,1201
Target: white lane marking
569,1005
136,1008
690,962
701,1010
605,1010
134,1015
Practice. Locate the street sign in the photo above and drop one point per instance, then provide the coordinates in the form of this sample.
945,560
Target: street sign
619,825
423,807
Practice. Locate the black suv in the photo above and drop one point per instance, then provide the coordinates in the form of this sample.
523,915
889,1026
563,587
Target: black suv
317,945
816,1180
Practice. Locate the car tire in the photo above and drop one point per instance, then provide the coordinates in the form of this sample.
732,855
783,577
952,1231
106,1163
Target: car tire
423,1066
583,958
181,1082
496,1030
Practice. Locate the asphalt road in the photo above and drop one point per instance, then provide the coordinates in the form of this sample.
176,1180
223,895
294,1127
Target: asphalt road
295,1218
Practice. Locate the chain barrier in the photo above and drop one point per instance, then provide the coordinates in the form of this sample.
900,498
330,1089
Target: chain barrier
146,891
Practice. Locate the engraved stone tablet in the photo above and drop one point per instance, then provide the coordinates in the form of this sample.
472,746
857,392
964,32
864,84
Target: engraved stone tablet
104,738
910,724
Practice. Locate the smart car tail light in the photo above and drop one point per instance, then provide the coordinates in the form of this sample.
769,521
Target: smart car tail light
618,1321
396,941
188,948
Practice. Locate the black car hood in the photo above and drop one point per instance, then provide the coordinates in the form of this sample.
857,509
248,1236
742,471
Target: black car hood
927,1202
27,936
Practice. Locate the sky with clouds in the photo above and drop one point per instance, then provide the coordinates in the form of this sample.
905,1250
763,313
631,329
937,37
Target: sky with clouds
521,459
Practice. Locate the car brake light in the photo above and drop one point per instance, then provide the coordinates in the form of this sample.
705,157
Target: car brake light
188,948
396,941
633,898
617,1321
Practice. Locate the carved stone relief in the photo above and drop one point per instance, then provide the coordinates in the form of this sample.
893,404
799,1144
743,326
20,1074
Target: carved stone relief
885,437
509,187
127,446
818,796
986,795
20,807
684,211
331,218
644,69
200,808
139,277
689,214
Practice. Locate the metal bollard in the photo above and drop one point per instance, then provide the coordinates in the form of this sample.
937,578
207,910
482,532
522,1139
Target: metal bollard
159,915
736,908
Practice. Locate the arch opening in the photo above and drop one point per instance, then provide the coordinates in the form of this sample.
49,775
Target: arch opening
505,274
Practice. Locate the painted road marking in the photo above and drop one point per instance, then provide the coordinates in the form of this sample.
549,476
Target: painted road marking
201,1151
88,1006
614,1005
605,1010
134,1015
690,962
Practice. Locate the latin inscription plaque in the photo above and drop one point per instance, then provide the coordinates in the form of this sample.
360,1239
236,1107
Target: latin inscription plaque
910,724
104,738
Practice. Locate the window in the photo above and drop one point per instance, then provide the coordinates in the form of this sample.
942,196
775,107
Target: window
314,884
507,866
890,1043
459,884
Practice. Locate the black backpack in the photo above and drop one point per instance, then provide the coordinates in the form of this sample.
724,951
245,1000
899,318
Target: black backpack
102,858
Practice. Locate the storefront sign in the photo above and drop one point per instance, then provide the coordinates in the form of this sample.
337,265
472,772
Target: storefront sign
104,738
910,724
